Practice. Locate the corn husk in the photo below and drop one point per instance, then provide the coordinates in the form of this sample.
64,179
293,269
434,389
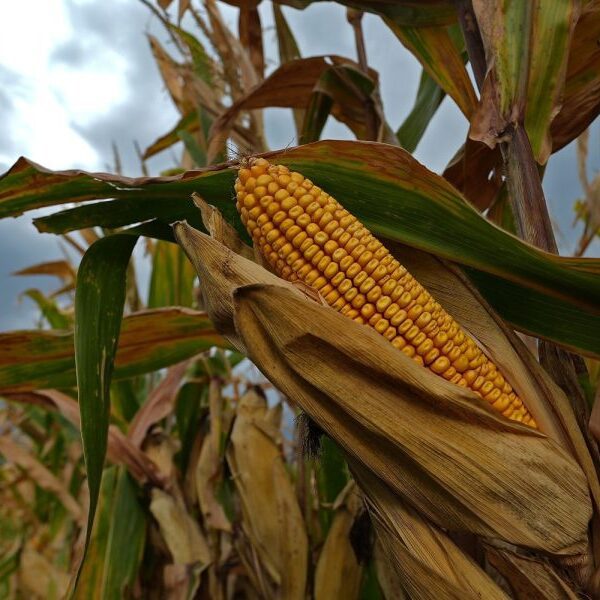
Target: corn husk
465,467
338,573
529,578
426,561
272,520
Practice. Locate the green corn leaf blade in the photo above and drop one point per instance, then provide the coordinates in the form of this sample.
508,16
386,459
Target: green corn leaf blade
540,315
315,117
149,340
191,145
370,589
130,210
188,122
172,278
429,97
203,65
99,301
581,95
49,309
332,475
190,406
125,398
117,542
385,187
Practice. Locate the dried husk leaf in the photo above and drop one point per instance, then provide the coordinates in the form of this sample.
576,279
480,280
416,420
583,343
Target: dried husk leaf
338,572
221,270
425,559
271,516
208,469
388,578
523,487
529,578
219,229
180,530
416,431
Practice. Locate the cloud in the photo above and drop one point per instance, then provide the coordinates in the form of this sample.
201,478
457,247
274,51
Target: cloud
114,52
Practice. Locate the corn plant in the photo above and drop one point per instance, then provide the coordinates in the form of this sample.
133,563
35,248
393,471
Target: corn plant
350,377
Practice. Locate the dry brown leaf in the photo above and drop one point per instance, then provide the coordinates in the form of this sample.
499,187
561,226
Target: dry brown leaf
271,516
207,474
120,450
594,423
338,572
239,71
289,86
522,488
172,77
17,454
158,405
59,268
180,530
182,7
250,31
429,565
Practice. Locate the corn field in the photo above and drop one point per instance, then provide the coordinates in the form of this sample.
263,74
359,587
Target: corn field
350,377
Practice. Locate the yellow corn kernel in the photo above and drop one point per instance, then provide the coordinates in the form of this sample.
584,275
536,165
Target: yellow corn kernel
306,235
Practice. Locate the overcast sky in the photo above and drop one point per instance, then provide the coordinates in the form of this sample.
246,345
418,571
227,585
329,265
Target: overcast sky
78,75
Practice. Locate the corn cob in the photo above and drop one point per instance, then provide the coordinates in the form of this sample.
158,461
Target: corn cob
306,235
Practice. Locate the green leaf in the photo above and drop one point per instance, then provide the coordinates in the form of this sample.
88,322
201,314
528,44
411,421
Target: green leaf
191,145
149,340
332,476
126,211
581,96
540,315
49,309
172,278
201,60
393,194
117,543
429,97
188,122
315,117
190,406
527,49
99,300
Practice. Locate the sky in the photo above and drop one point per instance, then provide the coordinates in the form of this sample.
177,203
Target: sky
77,76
